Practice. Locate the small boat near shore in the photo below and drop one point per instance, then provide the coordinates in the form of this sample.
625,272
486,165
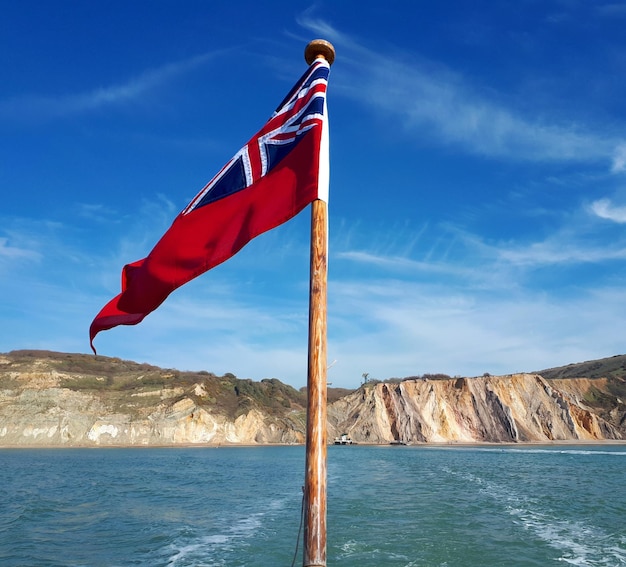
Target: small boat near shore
343,439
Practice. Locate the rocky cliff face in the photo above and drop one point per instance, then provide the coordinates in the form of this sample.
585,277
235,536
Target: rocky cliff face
40,406
76,400
517,408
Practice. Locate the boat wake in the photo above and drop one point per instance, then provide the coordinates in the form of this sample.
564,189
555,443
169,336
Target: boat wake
553,451
191,549
577,542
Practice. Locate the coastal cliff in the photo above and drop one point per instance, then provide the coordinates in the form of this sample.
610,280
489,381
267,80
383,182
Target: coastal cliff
71,400
492,409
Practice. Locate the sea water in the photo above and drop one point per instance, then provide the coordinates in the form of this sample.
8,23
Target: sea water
387,506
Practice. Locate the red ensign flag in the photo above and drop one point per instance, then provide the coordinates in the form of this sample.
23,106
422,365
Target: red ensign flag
282,169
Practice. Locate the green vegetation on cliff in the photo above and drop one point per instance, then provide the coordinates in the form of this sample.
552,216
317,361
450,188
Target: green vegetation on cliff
612,367
130,384
608,400
84,372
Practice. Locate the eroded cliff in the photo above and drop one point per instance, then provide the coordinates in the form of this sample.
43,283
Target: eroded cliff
516,408
56,399
66,401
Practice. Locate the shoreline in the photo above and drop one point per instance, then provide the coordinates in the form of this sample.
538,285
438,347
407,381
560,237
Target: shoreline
421,445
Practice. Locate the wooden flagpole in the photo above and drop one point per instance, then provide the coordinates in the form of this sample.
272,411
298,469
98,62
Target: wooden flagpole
316,436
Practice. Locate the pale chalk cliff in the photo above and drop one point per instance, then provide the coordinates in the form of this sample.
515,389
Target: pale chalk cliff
55,400
44,402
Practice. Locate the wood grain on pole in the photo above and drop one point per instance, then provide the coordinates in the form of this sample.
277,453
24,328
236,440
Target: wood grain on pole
316,435
316,441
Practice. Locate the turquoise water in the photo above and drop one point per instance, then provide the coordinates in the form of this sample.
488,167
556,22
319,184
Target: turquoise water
388,506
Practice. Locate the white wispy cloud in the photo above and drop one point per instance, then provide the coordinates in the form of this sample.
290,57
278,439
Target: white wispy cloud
9,251
387,322
555,252
41,106
619,159
605,209
473,260
432,100
32,248
408,328
98,212
403,264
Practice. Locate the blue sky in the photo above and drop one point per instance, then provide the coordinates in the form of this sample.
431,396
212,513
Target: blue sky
478,181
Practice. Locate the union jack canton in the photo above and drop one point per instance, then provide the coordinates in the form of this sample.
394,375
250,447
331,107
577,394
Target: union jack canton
301,110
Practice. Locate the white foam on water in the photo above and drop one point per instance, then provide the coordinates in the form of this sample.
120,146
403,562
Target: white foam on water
348,547
578,543
551,451
211,549
356,550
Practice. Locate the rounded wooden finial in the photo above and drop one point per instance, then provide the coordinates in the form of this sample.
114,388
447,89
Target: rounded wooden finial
319,48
